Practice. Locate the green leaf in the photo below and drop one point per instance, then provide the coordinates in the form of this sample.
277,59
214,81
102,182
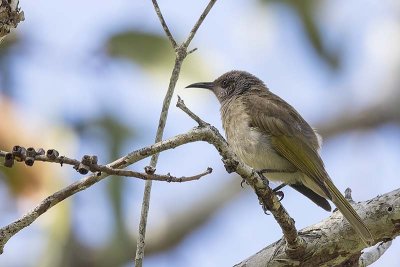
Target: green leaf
143,48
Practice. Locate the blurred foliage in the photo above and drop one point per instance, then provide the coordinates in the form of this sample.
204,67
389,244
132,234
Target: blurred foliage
306,11
113,134
146,49
22,181
154,53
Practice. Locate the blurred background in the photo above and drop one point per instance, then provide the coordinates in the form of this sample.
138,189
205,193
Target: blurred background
89,77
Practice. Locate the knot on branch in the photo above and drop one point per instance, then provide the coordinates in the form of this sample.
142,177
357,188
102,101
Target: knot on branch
149,170
8,160
30,156
85,165
19,153
297,249
230,165
181,52
52,154
27,155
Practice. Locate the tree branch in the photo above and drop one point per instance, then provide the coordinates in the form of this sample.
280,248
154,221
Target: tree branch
186,44
88,163
333,242
10,16
369,257
180,53
164,25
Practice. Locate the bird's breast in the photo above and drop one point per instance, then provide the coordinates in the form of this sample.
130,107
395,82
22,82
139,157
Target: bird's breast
251,145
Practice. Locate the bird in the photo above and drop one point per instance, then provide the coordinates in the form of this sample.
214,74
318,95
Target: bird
269,135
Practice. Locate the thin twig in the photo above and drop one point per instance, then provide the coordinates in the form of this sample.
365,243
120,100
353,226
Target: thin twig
11,15
96,168
180,104
198,23
164,25
180,52
155,177
191,51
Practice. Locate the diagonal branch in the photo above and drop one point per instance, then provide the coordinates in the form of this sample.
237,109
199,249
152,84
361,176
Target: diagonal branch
180,104
164,25
332,242
198,23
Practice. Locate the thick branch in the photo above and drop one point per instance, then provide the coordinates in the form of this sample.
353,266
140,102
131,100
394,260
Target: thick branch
10,16
369,257
332,241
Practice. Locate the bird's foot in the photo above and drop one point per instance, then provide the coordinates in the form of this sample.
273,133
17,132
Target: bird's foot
264,207
242,182
263,178
278,193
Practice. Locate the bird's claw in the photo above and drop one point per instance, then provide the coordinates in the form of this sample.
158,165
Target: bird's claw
264,207
263,178
279,194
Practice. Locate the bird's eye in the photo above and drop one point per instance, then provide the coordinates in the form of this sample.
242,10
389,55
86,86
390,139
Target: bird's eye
224,83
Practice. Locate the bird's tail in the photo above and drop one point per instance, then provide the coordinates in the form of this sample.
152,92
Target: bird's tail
349,213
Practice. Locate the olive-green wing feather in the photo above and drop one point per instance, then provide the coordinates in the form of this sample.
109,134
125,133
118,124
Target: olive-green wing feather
291,137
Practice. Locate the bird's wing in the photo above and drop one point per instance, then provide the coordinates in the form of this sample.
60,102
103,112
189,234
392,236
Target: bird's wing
288,132
290,135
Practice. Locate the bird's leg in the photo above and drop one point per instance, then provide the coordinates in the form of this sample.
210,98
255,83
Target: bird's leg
266,183
263,178
279,187
276,171
278,193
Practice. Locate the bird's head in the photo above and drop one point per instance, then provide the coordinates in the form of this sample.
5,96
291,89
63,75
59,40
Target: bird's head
231,84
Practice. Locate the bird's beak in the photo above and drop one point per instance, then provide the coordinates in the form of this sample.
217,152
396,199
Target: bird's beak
206,85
